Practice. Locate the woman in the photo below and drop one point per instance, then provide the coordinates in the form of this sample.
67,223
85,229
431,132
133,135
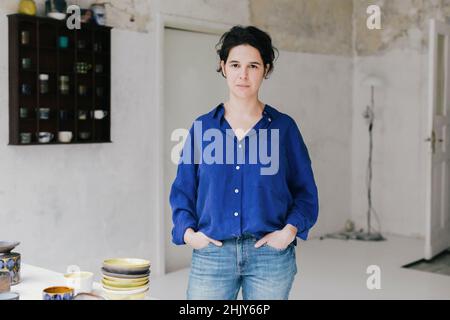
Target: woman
242,216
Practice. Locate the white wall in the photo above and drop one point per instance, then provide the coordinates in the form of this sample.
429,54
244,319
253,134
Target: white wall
79,204
316,91
398,193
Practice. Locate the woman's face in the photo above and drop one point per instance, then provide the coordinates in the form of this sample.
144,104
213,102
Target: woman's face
244,71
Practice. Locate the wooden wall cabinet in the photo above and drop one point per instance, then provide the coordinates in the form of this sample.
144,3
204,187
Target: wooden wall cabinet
76,97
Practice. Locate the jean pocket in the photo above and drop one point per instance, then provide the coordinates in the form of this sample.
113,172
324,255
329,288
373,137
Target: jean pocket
276,249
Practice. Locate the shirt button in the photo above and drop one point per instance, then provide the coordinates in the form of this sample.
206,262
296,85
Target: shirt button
237,167
270,119
240,145
236,214
236,190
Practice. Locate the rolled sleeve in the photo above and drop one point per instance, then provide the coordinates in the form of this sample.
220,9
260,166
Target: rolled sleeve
183,195
304,211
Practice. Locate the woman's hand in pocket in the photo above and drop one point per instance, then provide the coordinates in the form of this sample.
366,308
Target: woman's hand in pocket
198,240
279,239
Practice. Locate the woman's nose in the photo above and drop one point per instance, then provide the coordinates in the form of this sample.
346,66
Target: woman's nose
244,73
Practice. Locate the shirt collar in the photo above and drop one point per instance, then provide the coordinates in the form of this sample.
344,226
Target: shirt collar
269,112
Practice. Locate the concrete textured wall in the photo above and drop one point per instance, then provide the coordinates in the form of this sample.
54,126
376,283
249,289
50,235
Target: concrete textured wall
404,25
319,26
398,54
104,206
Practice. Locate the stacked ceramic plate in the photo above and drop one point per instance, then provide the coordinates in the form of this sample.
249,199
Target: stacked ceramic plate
125,278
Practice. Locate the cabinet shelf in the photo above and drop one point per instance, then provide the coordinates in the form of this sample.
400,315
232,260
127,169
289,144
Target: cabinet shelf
42,54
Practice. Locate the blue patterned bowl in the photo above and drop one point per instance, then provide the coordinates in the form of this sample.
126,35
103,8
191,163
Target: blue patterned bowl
58,293
11,262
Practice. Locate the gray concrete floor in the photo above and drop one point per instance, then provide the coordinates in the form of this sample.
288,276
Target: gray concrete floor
337,269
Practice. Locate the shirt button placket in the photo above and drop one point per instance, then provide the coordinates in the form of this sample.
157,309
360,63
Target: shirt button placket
237,190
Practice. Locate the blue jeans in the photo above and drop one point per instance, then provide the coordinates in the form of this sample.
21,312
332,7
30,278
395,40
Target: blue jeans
217,273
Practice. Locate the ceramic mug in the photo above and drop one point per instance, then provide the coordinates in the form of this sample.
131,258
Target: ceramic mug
44,113
58,293
44,137
26,63
11,262
82,115
23,112
5,281
84,135
25,137
63,42
81,281
99,114
65,136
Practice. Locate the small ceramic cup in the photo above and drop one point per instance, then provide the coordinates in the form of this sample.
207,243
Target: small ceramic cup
44,113
25,137
81,281
58,293
5,281
82,115
99,114
63,42
84,135
23,112
65,136
45,137
26,63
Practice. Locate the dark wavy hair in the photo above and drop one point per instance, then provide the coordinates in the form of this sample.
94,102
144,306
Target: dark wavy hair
250,35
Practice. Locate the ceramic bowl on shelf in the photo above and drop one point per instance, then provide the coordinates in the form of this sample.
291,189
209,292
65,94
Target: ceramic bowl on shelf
128,266
7,246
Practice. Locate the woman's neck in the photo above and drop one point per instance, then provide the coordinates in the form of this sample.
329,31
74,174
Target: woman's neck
244,108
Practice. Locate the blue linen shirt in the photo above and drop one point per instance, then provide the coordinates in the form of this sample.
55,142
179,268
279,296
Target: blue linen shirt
225,200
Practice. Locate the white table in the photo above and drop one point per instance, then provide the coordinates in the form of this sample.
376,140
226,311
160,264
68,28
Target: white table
35,279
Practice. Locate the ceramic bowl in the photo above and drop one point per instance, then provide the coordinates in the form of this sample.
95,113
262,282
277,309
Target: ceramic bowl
87,296
127,266
11,262
7,246
9,296
58,293
125,280
125,286
125,276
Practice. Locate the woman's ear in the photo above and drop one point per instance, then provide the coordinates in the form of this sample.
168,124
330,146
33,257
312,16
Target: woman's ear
266,71
222,65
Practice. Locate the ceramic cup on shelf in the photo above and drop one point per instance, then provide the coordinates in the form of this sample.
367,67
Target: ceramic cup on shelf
99,114
82,90
26,63
25,137
44,113
45,137
82,115
58,293
84,135
23,112
65,136
63,42
81,281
